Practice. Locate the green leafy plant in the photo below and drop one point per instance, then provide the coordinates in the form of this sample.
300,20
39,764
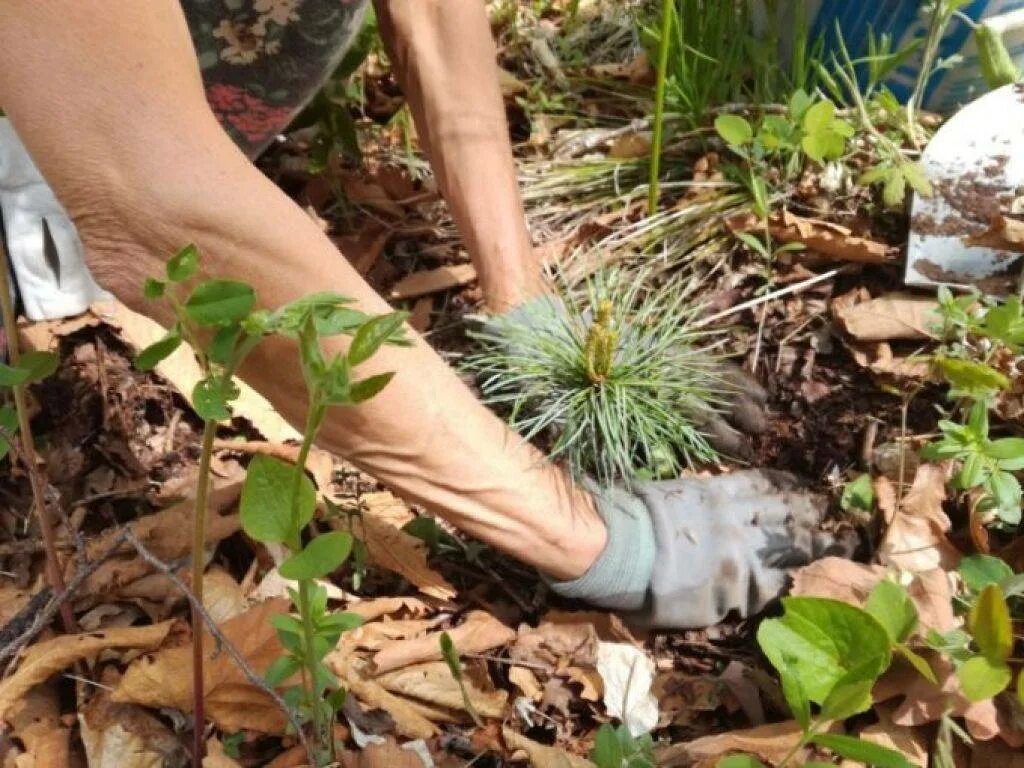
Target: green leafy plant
615,376
616,747
222,308
279,500
858,495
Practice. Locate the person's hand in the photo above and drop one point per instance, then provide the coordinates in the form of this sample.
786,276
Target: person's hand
44,248
685,553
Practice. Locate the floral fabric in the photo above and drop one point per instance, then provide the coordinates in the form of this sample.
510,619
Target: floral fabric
263,60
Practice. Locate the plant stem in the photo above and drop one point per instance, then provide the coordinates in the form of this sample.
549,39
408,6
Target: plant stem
198,563
28,451
659,106
321,730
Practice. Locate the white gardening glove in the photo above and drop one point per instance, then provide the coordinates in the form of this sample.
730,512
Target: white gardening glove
45,251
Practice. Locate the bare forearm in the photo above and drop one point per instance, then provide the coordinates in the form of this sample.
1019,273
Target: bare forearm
444,57
126,139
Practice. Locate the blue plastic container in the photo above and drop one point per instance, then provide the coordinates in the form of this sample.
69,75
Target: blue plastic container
906,20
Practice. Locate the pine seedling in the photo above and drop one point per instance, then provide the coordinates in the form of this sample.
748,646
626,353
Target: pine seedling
616,376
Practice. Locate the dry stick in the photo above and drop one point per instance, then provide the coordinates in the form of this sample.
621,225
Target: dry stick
222,642
29,456
44,616
789,289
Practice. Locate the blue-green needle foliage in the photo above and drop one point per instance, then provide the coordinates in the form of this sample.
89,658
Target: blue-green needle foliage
615,374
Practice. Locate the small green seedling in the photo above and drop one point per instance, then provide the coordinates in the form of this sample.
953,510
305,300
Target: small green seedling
858,496
451,658
616,747
279,500
221,311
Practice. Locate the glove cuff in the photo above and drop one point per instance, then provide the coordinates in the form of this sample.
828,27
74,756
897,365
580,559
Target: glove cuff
620,577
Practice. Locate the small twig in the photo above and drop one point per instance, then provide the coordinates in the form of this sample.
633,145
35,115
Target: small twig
57,602
788,290
222,642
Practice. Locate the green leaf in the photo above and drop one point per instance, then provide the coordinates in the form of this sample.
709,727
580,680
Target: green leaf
864,751
848,699
319,557
819,116
916,177
153,288
12,377
151,356
739,761
895,190
753,243
734,130
799,103
982,678
919,663
451,656
9,426
990,625
266,505
219,302
372,334
858,494
795,695
369,387
1020,687
183,265
825,640
281,669
895,611
39,365
971,377
607,752
978,571
222,347
341,622
211,396
1005,489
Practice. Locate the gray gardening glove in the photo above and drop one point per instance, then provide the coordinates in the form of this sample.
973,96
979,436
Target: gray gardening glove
684,553
43,245
743,414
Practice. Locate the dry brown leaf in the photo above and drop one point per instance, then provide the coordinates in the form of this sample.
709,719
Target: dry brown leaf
924,703
182,370
630,145
638,70
478,633
830,239
12,600
363,248
57,654
419,318
320,464
770,743
433,683
45,335
432,281
387,755
353,673
126,736
878,358
526,681
1003,234
912,743
37,725
851,582
216,757
916,537
542,756
996,754
892,316
510,84
556,646
222,595
373,609
392,548
164,679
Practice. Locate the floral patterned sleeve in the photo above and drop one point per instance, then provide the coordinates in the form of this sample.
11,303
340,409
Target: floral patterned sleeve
263,60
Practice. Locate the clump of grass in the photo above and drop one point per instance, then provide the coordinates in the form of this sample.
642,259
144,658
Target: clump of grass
614,374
